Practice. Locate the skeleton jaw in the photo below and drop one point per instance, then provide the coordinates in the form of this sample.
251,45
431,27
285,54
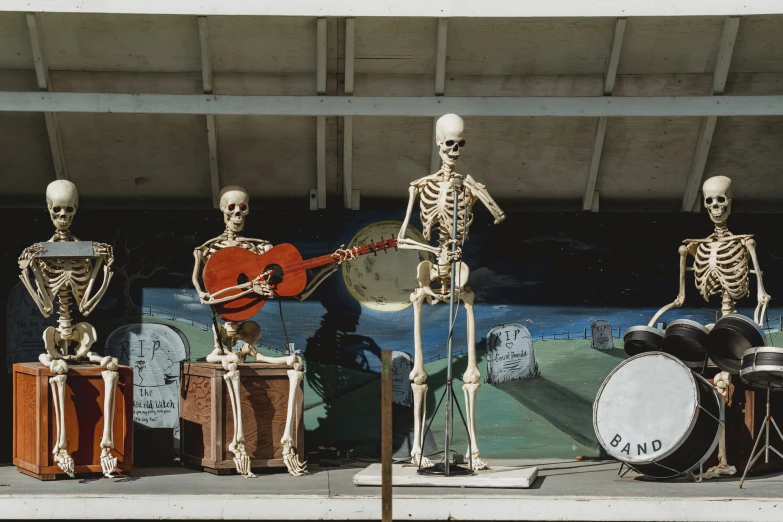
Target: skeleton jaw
719,214
235,224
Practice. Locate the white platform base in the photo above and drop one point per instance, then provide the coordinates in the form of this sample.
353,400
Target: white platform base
497,477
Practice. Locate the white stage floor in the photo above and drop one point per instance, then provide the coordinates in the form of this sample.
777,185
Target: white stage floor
564,490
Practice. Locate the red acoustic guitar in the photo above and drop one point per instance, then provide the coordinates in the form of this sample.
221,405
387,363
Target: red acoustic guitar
233,266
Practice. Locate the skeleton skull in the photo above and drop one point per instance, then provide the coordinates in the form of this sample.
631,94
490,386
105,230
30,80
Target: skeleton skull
62,200
717,198
235,205
449,135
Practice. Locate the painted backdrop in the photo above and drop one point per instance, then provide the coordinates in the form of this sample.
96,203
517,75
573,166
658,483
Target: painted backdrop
556,279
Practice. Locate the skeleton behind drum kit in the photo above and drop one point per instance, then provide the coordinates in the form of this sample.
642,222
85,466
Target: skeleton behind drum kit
721,266
436,193
70,281
235,206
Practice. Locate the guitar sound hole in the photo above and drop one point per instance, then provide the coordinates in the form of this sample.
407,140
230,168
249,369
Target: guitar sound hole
242,278
277,274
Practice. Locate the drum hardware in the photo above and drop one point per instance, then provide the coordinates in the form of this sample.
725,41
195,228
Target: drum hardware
762,367
659,432
767,446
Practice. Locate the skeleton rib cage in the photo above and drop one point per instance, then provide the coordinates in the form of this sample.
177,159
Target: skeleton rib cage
437,209
721,265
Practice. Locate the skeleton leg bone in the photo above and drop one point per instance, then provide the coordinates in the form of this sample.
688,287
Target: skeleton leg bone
237,445
471,377
57,383
290,458
722,382
108,461
418,376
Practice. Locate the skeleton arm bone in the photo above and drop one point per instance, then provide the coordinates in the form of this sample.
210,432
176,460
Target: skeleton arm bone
409,244
41,295
680,300
87,304
483,195
763,297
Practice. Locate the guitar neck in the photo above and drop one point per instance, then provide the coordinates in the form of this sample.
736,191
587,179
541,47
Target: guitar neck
319,261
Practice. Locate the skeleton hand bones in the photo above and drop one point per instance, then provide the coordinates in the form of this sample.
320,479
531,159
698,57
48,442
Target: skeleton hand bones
341,254
446,253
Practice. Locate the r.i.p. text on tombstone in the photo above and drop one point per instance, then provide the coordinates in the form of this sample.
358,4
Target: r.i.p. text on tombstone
510,354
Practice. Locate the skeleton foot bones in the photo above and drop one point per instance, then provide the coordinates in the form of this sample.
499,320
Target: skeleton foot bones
66,282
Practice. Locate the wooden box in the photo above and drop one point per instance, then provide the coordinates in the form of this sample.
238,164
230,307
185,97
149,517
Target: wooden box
34,419
207,423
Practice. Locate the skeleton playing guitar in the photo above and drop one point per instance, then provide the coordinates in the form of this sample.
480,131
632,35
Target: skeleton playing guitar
282,267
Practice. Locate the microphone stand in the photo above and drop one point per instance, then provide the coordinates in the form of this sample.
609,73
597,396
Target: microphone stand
446,468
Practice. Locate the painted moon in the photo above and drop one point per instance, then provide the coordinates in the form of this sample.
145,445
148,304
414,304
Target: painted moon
384,281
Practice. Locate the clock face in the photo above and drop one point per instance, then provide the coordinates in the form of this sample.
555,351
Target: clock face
384,281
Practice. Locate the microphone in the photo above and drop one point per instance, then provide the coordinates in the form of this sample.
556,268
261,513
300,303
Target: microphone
456,181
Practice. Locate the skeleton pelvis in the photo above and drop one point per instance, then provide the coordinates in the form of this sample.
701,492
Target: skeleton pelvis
59,347
248,332
427,273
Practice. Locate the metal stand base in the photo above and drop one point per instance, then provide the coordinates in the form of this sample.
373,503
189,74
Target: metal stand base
767,446
440,469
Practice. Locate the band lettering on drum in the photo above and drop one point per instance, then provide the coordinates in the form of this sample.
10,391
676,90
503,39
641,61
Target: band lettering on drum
641,449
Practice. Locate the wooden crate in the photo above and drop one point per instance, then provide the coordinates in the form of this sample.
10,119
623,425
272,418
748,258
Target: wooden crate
207,423
34,419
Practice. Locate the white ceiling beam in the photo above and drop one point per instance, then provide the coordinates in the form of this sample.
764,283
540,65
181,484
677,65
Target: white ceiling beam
350,196
440,83
45,84
589,107
588,202
701,152
408,8
320,120
207,84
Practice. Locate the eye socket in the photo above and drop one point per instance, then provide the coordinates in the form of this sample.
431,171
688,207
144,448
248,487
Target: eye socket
242,206
449,143
708,201
721,199
69,209
56,209
461,143
231,206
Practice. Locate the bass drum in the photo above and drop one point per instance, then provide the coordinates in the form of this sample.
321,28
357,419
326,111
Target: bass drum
657,416
730,338
762,367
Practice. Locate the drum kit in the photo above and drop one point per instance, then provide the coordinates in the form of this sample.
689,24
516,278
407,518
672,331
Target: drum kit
659,416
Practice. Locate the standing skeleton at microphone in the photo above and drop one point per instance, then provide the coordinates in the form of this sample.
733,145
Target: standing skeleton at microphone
721,266
436,195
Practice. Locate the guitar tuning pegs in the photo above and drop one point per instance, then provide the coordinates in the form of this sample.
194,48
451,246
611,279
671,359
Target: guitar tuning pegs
373,248
395,244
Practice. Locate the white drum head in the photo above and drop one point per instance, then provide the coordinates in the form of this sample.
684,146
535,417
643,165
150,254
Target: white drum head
645,408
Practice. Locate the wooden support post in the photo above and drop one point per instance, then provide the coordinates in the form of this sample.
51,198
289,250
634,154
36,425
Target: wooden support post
690,199
45,84
386,435
590,195
320,121
207,86
440,83
350,196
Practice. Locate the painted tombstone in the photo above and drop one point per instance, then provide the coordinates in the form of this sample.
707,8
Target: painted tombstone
154,351
601,334
510,354
24,327
402,365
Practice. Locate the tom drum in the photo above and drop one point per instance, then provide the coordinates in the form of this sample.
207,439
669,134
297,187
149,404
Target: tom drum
730,338
762,367
657,416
